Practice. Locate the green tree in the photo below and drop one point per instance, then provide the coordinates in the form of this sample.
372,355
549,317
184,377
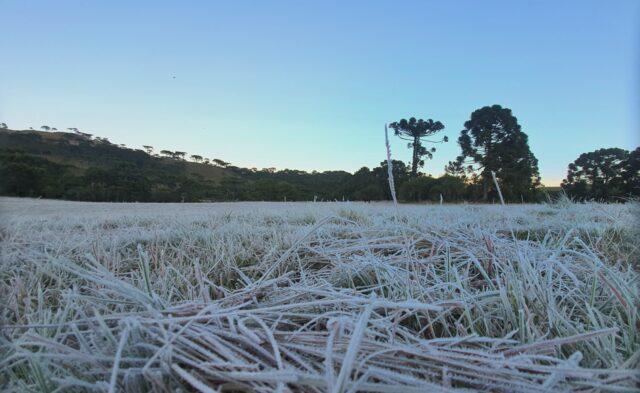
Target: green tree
400,173
599,174
451,188
631,173
220,163
20,179
273,190
414,131
417,189
493,141
427,188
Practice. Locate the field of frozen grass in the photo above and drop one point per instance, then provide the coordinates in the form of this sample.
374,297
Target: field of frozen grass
318,297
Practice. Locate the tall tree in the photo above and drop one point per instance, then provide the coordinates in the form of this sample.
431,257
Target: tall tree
3,126
631,173
599,174
196,158
414,131
493,141
148,149
46,128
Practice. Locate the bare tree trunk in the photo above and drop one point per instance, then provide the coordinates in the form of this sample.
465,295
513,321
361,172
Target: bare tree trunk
485,185
414,161
486,172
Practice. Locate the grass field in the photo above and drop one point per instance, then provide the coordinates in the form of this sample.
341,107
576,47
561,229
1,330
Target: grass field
318,297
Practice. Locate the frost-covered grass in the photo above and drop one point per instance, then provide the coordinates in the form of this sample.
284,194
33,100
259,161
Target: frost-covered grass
318,297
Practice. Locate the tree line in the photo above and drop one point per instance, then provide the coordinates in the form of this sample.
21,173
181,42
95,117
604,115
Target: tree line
492,144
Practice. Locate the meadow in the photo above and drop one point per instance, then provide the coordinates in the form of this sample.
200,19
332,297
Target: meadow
316,297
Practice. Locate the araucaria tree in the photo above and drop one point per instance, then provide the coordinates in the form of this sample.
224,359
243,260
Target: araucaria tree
604,174
493,141
414,131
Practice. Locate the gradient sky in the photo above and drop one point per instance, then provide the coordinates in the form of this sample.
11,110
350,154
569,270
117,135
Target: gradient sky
309,85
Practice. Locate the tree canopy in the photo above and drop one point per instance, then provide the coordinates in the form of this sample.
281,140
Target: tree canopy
604,174
414,130
493,141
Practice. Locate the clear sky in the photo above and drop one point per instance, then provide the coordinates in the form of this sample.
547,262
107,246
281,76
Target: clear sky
310,84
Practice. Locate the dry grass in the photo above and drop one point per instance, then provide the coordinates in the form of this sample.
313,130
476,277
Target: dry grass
318,297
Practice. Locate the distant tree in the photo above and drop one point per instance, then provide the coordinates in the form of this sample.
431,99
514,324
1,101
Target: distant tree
273,190
46,128
451,188
54,129
167,153
179,154
206,161
220,163
417,189
148,149
20,178
73,129
600,174
400,173
414,131
631,173
269,170
232,188
196,158
3,126
427,188
493,141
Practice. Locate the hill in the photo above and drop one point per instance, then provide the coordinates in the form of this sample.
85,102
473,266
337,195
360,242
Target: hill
82,152
79,166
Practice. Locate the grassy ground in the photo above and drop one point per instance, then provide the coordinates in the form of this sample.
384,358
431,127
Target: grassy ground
318,297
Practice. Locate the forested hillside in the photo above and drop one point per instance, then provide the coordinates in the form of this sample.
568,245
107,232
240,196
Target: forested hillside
78,166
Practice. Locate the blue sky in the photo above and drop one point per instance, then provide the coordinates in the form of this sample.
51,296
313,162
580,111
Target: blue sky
309,85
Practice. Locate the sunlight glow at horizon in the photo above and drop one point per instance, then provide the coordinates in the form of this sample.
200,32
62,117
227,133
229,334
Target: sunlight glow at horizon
310,85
